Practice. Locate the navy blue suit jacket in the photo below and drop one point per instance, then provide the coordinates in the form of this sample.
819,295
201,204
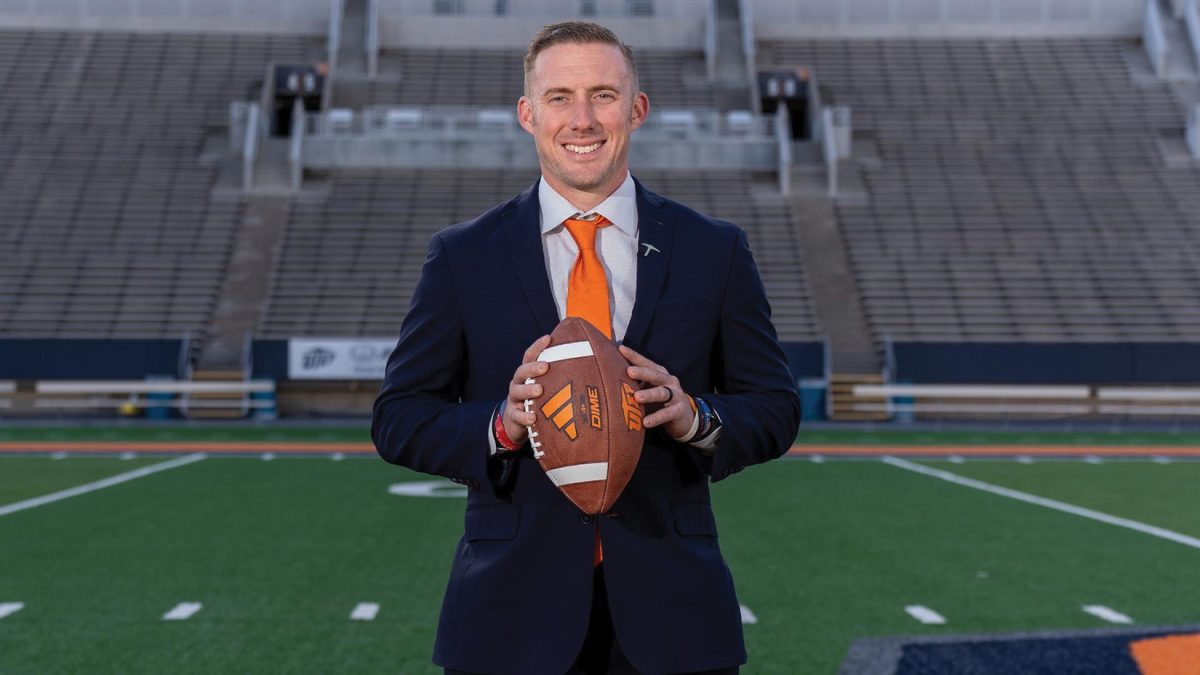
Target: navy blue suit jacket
521,584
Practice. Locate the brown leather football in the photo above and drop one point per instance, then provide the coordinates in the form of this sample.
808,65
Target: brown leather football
588,432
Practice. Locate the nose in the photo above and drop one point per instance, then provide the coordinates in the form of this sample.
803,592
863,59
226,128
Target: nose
583,117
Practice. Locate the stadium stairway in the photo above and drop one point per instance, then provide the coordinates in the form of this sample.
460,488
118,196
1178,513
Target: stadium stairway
247,282
732,75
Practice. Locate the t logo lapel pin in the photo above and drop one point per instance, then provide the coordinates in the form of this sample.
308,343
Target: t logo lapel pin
650,249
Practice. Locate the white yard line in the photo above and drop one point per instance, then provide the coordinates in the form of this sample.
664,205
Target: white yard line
183,611
101,484
365,611
9,608
1108,614
1134,525
747,615
925,615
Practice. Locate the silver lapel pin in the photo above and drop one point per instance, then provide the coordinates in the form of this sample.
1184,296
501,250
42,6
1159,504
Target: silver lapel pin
650,248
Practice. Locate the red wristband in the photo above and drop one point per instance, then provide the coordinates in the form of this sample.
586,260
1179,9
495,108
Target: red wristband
502,435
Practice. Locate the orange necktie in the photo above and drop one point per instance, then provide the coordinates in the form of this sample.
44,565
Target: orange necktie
587,295
587,287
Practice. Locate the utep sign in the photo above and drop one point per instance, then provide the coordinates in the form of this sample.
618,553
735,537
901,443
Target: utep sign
338,358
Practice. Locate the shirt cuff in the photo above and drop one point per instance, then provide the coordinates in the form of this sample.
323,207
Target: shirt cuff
492,449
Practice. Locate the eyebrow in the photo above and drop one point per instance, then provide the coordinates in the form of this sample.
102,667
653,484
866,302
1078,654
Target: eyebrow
567,90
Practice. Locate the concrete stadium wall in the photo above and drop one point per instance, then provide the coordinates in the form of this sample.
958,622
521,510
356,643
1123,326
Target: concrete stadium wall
676,24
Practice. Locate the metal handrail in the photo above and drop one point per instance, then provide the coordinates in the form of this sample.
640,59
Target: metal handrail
372,41
750,53
333,44
1193,131
1154,38
250,147
296,145
889,360
814,105
1191,18
710,40
830,150
783,136
183,368
827,368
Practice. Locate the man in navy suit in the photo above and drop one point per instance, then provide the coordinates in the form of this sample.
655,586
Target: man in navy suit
537,586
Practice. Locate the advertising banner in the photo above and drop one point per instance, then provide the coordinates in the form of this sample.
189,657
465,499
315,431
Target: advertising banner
338,358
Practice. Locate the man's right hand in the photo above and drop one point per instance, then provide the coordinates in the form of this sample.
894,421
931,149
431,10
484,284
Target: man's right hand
516,420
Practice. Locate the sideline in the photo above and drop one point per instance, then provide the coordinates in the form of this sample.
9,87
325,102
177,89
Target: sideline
100,484
1134,525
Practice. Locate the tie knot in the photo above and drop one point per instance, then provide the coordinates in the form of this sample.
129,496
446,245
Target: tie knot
584,231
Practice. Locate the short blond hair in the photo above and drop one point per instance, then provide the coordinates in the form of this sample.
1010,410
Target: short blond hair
576,32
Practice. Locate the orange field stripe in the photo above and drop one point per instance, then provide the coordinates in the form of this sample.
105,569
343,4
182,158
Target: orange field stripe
1170,655
184,446
998,450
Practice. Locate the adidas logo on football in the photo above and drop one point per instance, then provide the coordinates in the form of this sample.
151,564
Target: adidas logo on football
559,411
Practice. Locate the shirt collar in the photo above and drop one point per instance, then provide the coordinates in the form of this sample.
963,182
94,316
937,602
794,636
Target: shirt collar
620,207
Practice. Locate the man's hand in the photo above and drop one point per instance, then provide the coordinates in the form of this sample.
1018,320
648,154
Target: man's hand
675,412
516,420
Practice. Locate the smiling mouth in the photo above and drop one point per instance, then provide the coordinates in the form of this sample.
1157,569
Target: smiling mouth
583,149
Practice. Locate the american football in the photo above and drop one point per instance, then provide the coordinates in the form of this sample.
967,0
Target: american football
588,432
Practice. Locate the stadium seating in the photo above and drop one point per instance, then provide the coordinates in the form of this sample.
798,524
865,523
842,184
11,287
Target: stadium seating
1020,195
494,77
349,265
109,229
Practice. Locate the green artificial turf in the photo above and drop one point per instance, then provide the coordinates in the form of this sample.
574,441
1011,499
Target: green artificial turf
349,432
25,477
267,432
281,552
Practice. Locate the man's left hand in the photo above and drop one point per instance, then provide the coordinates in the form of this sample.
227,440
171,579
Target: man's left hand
661,388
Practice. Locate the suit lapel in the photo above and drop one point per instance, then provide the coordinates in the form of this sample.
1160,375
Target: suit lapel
655,233
522,225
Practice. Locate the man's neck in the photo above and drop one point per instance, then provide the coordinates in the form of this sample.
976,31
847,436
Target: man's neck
585,200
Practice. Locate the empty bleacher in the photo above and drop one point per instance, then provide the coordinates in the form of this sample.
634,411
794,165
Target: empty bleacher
348,266
1020,193
108,229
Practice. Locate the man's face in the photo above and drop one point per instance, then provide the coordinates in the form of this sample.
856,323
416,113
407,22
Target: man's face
581,108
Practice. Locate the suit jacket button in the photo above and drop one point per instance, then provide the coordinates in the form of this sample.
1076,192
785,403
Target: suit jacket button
586,520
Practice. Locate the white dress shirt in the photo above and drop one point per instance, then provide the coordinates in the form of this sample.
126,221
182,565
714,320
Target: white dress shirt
616,246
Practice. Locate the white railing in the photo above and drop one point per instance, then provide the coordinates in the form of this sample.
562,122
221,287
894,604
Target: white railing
467,122
829,150
1193,131
296,145
333,44
815,104
372,41
239,113
710,40
1191,18
250,146
1030,399
750,53
783,136
1154,38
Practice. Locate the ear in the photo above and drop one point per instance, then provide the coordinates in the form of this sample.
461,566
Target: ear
641,108
525,113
